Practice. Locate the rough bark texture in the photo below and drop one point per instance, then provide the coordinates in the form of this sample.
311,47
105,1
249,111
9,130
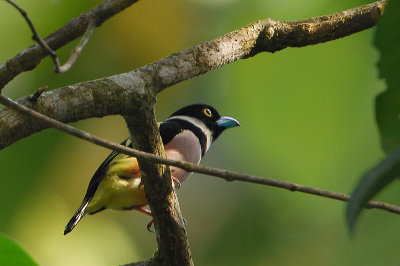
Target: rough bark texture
173,246
117,94
133,95
32,56
266,35
121,94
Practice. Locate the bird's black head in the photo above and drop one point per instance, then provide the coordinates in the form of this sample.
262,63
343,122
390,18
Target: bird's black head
207,115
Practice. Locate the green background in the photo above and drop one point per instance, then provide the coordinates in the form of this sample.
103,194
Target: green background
307,116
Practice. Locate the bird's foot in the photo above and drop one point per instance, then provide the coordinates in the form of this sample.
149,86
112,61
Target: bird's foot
149,226
143,210
148,212
177,183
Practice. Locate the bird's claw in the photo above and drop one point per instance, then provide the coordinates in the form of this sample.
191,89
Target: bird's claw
149,226
177,183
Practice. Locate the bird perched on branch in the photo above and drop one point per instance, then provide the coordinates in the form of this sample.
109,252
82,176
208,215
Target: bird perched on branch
187,134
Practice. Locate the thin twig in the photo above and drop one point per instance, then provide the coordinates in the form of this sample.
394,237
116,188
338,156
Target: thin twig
225,174
36,36
75,28
263,35
75,52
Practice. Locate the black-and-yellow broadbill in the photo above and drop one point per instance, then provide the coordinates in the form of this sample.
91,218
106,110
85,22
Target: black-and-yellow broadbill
187,135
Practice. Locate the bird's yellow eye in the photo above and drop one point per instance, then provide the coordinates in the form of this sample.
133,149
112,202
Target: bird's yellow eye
207,112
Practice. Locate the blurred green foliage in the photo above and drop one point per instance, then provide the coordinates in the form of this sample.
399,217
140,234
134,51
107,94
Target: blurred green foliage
11,254
387,39
307,116
387,105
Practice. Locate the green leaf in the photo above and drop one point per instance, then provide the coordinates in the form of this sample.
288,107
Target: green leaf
371,183
387,40
11,253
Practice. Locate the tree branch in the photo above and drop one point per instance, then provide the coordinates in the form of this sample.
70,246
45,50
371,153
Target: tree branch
125,94
118,93
121,94
263,36
152,158
36,36
75,52
173,246
32,56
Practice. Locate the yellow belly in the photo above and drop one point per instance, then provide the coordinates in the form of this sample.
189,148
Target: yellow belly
117,193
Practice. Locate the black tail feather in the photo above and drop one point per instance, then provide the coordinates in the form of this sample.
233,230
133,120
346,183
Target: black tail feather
76,218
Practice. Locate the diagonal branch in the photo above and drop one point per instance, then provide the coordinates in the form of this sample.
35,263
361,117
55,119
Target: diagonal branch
118,93
32,56
36,36
152,158
75,52
124,94
266,35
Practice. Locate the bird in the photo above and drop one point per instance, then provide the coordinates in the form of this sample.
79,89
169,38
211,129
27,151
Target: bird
187,134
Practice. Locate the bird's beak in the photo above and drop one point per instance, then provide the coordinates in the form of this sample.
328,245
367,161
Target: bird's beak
227,122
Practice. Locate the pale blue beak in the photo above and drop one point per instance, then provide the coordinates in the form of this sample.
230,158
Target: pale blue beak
227,122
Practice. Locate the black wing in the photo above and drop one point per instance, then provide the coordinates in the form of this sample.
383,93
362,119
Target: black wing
92,187
99,174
